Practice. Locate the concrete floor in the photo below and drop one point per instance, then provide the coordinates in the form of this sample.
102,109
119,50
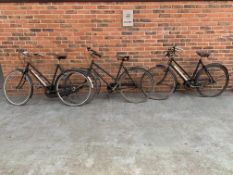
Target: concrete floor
184,135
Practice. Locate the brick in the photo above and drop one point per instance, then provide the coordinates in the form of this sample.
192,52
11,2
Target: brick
35,30
70,27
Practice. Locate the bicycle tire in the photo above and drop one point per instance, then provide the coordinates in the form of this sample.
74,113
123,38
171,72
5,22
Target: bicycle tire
165,82
203,80
130,85
95,80
69,84
20,81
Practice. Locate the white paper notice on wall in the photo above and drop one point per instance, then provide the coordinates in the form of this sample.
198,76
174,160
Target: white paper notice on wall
127,18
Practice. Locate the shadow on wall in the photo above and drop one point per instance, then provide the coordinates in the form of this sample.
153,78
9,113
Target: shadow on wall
1,77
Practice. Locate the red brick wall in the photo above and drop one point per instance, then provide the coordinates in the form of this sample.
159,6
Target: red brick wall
70,27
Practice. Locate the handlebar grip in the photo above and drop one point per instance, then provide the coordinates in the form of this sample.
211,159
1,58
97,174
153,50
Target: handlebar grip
38,54
93,52
97,54
178,48
21,50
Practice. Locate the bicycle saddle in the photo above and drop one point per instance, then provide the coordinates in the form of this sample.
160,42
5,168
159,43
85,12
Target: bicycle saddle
123,58
203,53
60,56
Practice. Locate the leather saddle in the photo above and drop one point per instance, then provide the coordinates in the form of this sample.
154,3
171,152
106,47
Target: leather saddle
203,53
123,58
60,56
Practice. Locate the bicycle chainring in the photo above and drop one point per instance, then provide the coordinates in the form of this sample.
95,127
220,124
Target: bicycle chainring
50,92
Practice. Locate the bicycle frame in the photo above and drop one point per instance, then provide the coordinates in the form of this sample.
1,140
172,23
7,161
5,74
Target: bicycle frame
94,66
182,73
40,77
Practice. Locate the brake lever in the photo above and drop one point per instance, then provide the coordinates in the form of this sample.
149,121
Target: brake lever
38,54
21,50
93,52
25,53
178,49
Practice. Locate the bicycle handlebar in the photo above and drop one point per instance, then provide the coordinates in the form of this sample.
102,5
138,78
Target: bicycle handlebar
178,48
22,51
26,53
93,52
171,52
38,54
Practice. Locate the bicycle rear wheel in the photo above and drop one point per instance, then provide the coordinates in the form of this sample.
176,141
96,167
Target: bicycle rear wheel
212,81
131,84
17,88
164,82
95,80
74,88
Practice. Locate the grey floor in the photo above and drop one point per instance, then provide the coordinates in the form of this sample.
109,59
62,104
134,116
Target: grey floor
184,135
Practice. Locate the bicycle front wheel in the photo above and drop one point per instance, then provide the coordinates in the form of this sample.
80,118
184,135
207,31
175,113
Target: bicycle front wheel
74,88
164,82
212,80
132,83
17,88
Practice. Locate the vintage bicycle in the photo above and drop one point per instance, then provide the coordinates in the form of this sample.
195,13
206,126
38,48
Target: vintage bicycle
209,80
133,83
71,86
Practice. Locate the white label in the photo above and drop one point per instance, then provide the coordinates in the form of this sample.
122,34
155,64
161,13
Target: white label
127,18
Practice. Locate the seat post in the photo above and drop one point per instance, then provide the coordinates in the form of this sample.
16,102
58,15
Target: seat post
122,62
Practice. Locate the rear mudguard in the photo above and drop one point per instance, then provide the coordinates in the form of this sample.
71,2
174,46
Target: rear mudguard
78,70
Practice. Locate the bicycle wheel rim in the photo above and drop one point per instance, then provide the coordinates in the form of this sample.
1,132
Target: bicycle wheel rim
95,82
131,86
164,83
74,88
17,88
212,87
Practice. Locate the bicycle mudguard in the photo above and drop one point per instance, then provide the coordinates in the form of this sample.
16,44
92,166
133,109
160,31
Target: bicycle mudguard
216,64
82,71
30,79
205,68
172,71
163,66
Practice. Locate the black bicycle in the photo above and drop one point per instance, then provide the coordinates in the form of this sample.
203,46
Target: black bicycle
71,86
133,82
210,80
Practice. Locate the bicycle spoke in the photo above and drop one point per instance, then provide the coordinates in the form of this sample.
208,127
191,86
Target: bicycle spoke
164,83
17,88
131,85
214,82
73,88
